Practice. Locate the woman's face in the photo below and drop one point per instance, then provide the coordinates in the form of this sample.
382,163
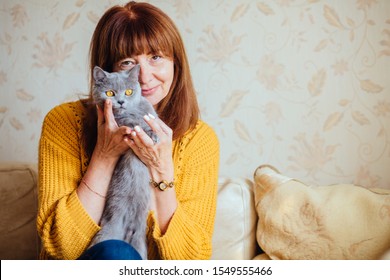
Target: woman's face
155,77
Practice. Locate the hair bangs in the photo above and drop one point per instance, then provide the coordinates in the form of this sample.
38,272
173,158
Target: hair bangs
141,38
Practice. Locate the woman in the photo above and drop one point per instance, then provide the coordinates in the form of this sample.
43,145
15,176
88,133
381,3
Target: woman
80,145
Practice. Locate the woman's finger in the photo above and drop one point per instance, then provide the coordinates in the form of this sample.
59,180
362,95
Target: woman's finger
158,126
140,137
150,120
124,131
135,144
108,114
100,116
166,129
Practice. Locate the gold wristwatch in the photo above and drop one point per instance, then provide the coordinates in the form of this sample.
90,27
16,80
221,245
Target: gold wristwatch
163,185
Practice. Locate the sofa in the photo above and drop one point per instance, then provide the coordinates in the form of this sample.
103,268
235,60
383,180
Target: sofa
269,216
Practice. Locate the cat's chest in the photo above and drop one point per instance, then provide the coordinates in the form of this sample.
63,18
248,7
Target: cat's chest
129,120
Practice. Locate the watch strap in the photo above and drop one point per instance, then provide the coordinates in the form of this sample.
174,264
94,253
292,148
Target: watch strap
163,185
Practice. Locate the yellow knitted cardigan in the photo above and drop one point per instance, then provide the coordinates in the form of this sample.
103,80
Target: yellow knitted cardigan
65,227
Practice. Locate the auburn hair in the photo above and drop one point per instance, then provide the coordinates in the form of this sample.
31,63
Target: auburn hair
134,29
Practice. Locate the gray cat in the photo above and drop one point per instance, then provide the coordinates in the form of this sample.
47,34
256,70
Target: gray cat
128,197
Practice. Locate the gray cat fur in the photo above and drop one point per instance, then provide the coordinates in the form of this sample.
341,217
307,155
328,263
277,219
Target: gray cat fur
127,203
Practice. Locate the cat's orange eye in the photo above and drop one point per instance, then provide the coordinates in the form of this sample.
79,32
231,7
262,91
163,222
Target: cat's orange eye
110,93
129,92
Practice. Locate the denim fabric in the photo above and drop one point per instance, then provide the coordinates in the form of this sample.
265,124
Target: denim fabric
111,250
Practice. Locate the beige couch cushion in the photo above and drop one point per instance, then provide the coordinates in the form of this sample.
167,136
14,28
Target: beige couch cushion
235,223
18,200
341,221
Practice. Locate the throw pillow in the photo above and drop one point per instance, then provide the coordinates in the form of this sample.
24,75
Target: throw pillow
341,221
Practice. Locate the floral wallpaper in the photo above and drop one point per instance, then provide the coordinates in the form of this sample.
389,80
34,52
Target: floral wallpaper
303,85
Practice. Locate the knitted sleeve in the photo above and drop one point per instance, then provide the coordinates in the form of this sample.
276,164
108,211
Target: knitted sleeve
64,226
189,234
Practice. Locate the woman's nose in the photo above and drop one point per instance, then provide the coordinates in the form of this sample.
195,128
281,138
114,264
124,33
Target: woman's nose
145,74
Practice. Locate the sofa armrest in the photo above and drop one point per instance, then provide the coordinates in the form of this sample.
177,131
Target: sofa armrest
18,210
235,222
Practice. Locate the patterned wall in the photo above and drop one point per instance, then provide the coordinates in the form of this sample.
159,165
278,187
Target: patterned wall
300,84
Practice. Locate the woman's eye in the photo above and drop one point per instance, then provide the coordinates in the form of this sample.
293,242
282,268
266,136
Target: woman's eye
110,93
126,65
156,57
129,92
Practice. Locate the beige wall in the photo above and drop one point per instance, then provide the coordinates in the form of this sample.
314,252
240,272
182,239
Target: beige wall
300,84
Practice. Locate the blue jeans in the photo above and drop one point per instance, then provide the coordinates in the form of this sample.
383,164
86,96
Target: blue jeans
111,250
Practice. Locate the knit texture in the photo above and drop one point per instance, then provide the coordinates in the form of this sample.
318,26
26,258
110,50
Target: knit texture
65,227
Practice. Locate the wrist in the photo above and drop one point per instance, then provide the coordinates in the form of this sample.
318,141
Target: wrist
162,181
101,167
101,159
162,185
163,171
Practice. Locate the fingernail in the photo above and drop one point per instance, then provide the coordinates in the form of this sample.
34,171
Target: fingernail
153,117
133,133
146,117
137,128
108,101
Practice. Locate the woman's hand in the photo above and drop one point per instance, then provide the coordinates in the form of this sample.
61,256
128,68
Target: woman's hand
110,138
157,156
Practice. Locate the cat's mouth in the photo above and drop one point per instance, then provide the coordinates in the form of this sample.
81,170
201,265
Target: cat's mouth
119,108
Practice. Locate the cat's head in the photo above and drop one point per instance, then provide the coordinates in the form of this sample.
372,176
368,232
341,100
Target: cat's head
122,88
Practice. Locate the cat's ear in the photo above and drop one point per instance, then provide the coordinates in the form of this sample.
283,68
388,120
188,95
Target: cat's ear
99,74
134,72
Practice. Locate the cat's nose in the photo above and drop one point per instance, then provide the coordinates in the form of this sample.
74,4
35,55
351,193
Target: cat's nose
121,102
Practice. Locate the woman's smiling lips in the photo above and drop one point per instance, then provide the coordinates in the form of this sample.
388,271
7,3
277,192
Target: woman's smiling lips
149,91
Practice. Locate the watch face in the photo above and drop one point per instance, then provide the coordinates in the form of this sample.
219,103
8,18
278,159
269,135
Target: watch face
162,186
